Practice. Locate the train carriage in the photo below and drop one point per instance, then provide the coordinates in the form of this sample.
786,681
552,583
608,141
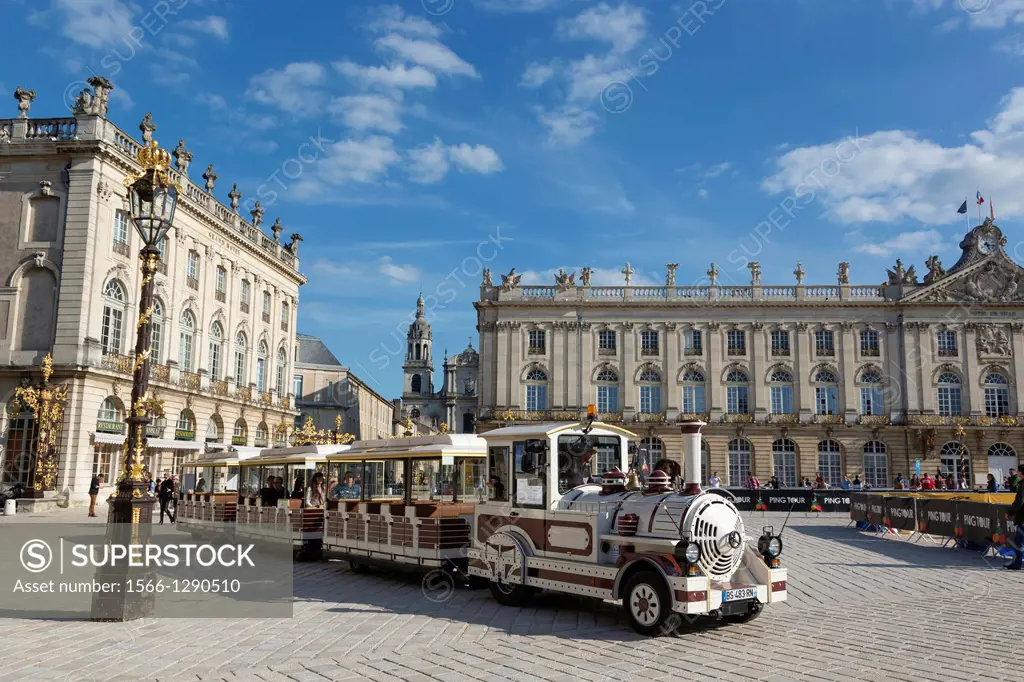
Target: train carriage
659,552
209,501
405,502
281,511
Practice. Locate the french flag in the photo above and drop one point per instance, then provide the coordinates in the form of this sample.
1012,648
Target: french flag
981,199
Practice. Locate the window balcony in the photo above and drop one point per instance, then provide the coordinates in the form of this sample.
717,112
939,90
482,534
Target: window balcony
244,393
239,440
258,442
162,267
650,351
783,418
694,416
123,364
870,352
219,387
160,373
284,326
221,296
192,283
244,307
266,318
120,248
650,417
738,418
190,380
266,398
609,417
825,352
737,350
829,419
693,351
780,352
284,402
607,351
947,352
535,350
874,419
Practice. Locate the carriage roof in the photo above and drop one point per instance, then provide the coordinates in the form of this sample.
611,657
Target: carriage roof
300,454
455,444
552,429
233,456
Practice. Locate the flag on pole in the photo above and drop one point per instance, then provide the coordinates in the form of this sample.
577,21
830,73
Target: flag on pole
963,207
981,199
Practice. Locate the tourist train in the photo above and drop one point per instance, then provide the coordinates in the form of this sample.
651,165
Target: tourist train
568,507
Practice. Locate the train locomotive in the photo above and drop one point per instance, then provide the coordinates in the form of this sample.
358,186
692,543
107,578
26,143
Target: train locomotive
548,525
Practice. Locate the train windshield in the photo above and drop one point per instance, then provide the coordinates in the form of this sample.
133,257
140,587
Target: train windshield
581,457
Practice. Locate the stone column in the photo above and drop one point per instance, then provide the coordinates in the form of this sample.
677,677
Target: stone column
758,365
802,355
673,397
502,365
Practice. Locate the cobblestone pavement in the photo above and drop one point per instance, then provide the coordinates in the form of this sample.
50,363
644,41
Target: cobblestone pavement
861,607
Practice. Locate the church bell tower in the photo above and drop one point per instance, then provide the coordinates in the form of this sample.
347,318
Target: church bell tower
418,366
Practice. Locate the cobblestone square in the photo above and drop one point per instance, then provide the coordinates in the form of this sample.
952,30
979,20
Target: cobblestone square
860,607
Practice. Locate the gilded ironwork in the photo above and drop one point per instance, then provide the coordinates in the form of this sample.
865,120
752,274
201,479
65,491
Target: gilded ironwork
444,427
47,404
310,435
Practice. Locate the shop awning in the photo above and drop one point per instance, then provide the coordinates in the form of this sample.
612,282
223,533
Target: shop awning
165,444
108,438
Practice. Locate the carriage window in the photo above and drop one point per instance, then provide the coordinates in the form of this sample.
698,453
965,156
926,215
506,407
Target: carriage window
529,457
346,481
471,480
579,457
251,483
497,476
429,482
385,480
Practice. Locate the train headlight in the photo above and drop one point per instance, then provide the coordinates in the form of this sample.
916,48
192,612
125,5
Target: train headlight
692,553
769,546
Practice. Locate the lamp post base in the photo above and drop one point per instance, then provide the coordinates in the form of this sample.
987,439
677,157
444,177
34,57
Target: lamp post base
127,593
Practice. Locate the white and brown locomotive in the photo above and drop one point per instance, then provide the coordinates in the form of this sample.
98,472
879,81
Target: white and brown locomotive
658,551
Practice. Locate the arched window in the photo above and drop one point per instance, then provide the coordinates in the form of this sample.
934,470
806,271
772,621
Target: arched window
213,429
261,366
784,462
780,386
650,391
417,381
282,370
739,461
157,325
693,392
186,352
414,413
262,434
737,387
872,399
997,395
655,449
109,417
607,390
241,350
949,460
1001,458
185,427
417,351
876,464
240,436
826,392
1002,450
949,395
115,302
830,462
536,390
216,350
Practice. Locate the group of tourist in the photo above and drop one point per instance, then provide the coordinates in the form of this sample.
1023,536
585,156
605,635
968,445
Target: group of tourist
313,495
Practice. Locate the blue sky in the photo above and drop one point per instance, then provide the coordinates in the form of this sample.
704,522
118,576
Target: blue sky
540,134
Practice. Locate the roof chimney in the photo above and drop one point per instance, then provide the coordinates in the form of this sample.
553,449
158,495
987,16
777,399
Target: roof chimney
691,456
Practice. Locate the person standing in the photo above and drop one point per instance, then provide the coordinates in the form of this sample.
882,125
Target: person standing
165,494
992,486
715,481
1016,513
1014,480
94,491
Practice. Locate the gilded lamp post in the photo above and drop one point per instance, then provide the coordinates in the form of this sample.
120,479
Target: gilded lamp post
153,196
47,404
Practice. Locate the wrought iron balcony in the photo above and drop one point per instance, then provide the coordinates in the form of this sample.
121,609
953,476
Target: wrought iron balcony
219,387
124,364
649,417
160,373
870,352
244,393
738,418
650,351
220,296
783,418
192,283
694,416
874,419
266,317
737,350
535,350
244,306
693,351
780,352
829,419
190,380
120,248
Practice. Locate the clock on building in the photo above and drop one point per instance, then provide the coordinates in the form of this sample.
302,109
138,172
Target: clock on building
988,245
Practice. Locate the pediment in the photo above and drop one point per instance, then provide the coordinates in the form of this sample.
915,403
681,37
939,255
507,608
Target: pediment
996,279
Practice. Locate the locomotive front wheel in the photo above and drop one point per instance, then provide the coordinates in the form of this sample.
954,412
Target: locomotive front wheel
647,603
511,595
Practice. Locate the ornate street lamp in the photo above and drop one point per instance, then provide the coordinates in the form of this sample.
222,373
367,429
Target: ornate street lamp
153,197
47,404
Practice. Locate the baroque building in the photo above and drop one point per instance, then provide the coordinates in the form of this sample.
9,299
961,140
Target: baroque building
792,379
325,390
454,403
224,318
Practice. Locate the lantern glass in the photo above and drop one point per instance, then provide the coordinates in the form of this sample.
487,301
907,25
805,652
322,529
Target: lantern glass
153,200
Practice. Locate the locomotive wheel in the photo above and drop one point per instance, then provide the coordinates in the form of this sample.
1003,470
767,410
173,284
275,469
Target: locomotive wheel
647,603
511,595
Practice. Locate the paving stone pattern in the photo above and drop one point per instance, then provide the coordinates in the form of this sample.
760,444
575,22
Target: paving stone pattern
861,607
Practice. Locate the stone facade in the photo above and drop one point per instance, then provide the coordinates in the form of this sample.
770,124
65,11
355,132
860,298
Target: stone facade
227,299
843,379
325,389
454,404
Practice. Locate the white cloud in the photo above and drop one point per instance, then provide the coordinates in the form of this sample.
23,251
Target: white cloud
364,160
397,76
893,175
291,88
392,19
428,163
94,23
368,112
623,26
174,58
1011,45
212,25
428,53
582,81
716,170
537,75
994,13
919,241
702,193
398,274
212,100
476,159
516,5
121,96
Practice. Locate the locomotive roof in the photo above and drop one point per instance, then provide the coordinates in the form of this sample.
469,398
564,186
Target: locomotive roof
554,428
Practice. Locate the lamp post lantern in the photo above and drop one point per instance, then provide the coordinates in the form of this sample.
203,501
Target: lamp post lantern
152,196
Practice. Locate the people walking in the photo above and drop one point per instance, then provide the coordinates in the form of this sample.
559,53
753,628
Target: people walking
1016,513
165,495
94,491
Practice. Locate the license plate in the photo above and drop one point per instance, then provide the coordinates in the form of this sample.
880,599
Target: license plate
742,593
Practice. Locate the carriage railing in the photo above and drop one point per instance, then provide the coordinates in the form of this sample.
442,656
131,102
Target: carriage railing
587,507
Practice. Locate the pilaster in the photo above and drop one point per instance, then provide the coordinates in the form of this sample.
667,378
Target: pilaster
630,397
758,354
848,371
802,353
673,397
558,362
714,393
969,351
